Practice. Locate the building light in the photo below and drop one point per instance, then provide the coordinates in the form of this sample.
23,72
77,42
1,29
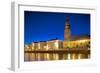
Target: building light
33,46
81,41
38,45
69,56
73,56
48,57
79,56
47,47
56,44
27,46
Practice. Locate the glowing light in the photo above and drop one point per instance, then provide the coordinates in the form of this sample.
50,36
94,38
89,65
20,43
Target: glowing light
73,56
56,56
69,56
48,57
79,56
33,46
47,47
38,45
26,46
39,56
56,44
82,40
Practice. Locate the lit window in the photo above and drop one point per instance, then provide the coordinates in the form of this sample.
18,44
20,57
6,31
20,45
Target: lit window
47,47
32,44
56,44
38,45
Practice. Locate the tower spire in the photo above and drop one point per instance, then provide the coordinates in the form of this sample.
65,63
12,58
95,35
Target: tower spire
67,32
67,19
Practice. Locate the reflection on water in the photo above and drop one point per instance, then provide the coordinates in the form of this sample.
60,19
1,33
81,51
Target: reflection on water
54,56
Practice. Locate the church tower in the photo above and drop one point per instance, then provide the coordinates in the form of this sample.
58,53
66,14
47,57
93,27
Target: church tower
67,32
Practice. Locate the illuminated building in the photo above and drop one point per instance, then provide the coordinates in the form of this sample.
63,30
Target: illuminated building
75,47
54,44
79,43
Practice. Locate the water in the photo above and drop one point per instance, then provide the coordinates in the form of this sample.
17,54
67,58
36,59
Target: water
54,56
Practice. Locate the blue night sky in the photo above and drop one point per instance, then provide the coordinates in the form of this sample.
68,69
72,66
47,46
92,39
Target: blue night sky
43,26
